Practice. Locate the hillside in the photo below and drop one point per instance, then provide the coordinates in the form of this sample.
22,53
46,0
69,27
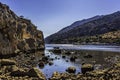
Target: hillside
17,33
102,25
75,24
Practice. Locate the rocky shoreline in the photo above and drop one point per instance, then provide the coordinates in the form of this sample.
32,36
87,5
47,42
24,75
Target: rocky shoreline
90,71
23,67
19,38
112,73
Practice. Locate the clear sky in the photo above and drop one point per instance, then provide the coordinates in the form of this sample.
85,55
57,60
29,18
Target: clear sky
52,15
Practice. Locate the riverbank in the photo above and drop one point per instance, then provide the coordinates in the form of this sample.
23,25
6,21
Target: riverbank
21,67
111,73
24,66
110,70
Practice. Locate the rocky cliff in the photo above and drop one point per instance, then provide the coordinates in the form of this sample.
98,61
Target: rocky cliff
17,33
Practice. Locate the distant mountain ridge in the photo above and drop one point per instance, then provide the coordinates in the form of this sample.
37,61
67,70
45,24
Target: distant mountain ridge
94,26
81,22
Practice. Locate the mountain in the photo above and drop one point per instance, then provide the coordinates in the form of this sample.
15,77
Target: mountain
88,30
17,33
75,24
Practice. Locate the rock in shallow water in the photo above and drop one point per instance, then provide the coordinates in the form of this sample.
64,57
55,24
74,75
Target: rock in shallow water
87,67
73,58
71,69
50,63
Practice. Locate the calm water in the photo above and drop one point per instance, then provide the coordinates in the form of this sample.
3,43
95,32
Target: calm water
98,53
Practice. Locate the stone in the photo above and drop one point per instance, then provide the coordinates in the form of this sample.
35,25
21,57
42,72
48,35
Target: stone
88,56
7,62
34,72
63,56
56,76
71,69
87,67
45,58
50,63
18,73
68,53
56,50
41,64
67,61
73,58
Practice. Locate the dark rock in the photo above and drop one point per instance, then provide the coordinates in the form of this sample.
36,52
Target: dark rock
34,72
67,61
71,69
63,56
18,73
57,51
43,54
48,56
88,56
56,57
51,59
50,63
45,58
41,64
87,67
68,53
73,58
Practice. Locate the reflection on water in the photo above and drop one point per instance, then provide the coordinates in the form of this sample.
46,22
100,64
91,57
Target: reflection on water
59,65
98,53
86,47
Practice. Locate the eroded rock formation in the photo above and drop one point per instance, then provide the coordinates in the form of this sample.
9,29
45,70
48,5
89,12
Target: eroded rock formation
17,33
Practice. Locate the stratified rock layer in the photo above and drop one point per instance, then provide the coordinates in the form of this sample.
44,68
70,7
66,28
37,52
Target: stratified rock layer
17,33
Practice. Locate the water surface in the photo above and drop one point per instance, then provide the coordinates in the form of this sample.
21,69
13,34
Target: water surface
99,54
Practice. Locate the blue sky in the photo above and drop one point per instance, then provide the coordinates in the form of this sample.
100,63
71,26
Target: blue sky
52,15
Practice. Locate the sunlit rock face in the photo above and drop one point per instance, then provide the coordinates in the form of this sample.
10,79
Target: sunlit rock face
17,33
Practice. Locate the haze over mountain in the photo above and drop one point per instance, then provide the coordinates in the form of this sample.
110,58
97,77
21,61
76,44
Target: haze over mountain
79,31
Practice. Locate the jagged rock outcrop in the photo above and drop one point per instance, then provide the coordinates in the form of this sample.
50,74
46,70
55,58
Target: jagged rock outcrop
17,33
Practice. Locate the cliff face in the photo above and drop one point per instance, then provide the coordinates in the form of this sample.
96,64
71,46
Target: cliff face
17,33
